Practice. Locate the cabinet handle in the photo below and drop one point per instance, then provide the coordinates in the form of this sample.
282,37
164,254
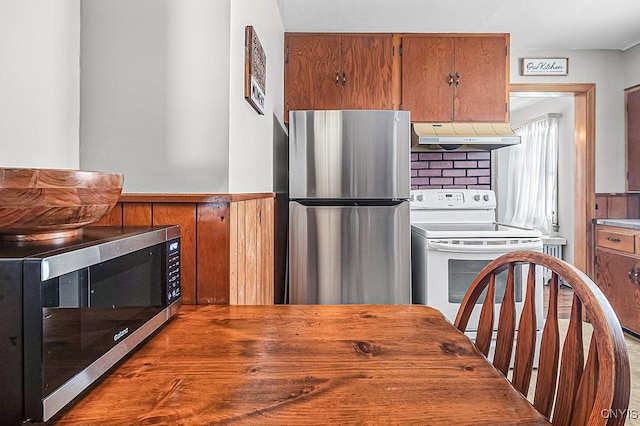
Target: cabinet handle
344,79
614,240
337,79
457,79
450,80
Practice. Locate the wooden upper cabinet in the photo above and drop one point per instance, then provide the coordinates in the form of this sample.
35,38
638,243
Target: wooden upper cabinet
427,89
312,65
632,135
455,78
367,66
329,71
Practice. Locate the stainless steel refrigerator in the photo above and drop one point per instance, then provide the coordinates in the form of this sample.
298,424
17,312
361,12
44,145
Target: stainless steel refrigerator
349,230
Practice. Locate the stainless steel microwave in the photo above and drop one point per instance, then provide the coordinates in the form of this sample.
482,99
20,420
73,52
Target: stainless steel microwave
71,309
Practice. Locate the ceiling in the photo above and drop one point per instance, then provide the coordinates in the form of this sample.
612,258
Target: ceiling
540,24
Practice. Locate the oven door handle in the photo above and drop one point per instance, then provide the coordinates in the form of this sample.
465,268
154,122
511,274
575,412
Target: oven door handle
502,248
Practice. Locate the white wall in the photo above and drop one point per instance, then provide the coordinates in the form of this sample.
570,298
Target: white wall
564,106
250,134
631,66
39,83
604,68
154,87
162,89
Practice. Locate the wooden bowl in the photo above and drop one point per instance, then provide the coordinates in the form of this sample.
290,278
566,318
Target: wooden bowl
37,204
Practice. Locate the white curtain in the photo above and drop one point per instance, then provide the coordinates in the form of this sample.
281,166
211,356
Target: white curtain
532,187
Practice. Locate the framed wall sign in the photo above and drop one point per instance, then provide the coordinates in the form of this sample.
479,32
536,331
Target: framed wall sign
255,71
544,66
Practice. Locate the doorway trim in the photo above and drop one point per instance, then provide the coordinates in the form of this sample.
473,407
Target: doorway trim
584,164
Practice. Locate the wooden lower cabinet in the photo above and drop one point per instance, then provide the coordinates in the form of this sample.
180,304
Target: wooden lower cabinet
227,242
616,277
618,272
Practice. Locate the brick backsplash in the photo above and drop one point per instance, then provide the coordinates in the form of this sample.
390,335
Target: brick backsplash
432,170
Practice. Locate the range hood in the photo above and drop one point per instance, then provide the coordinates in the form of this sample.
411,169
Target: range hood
462,136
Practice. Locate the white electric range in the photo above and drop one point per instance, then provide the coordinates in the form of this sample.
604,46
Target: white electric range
453,236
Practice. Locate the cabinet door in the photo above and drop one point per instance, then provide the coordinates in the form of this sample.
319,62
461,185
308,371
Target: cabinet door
312,64
482,92
367,67
632,100
622,291
426,65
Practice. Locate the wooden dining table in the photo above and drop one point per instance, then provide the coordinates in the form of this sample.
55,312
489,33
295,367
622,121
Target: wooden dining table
300,365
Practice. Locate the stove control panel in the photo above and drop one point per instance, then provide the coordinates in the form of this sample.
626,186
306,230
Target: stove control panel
465,199
450,197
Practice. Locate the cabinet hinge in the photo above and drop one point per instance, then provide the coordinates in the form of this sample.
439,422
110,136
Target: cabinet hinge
400,107
506,107
506,51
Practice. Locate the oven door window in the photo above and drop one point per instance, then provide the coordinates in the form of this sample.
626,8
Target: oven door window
462,273
88,311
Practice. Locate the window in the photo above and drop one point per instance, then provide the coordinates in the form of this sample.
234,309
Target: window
532,191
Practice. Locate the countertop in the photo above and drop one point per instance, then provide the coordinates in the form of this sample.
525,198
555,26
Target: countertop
304,364
622,223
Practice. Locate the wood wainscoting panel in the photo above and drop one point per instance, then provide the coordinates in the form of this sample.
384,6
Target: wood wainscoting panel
184,215
137,214
601,206
251,258
633,206
238,249
267,249
112,218
227,242
213,234
618,206
233,260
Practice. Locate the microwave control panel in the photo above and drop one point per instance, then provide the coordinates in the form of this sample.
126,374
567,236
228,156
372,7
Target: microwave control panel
173,271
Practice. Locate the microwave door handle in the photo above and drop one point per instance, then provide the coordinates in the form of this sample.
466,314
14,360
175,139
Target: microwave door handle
503,248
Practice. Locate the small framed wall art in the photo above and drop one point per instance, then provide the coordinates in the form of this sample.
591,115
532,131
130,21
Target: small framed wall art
255,71
544,66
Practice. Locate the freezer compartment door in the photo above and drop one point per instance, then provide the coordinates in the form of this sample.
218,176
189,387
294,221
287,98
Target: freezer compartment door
349,254
349,154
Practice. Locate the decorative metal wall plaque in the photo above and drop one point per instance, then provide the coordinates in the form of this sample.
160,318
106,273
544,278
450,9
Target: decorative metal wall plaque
255,71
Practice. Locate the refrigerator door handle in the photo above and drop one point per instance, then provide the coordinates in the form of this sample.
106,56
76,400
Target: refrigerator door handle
318,202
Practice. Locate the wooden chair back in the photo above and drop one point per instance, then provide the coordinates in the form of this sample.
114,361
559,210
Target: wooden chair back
566,392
